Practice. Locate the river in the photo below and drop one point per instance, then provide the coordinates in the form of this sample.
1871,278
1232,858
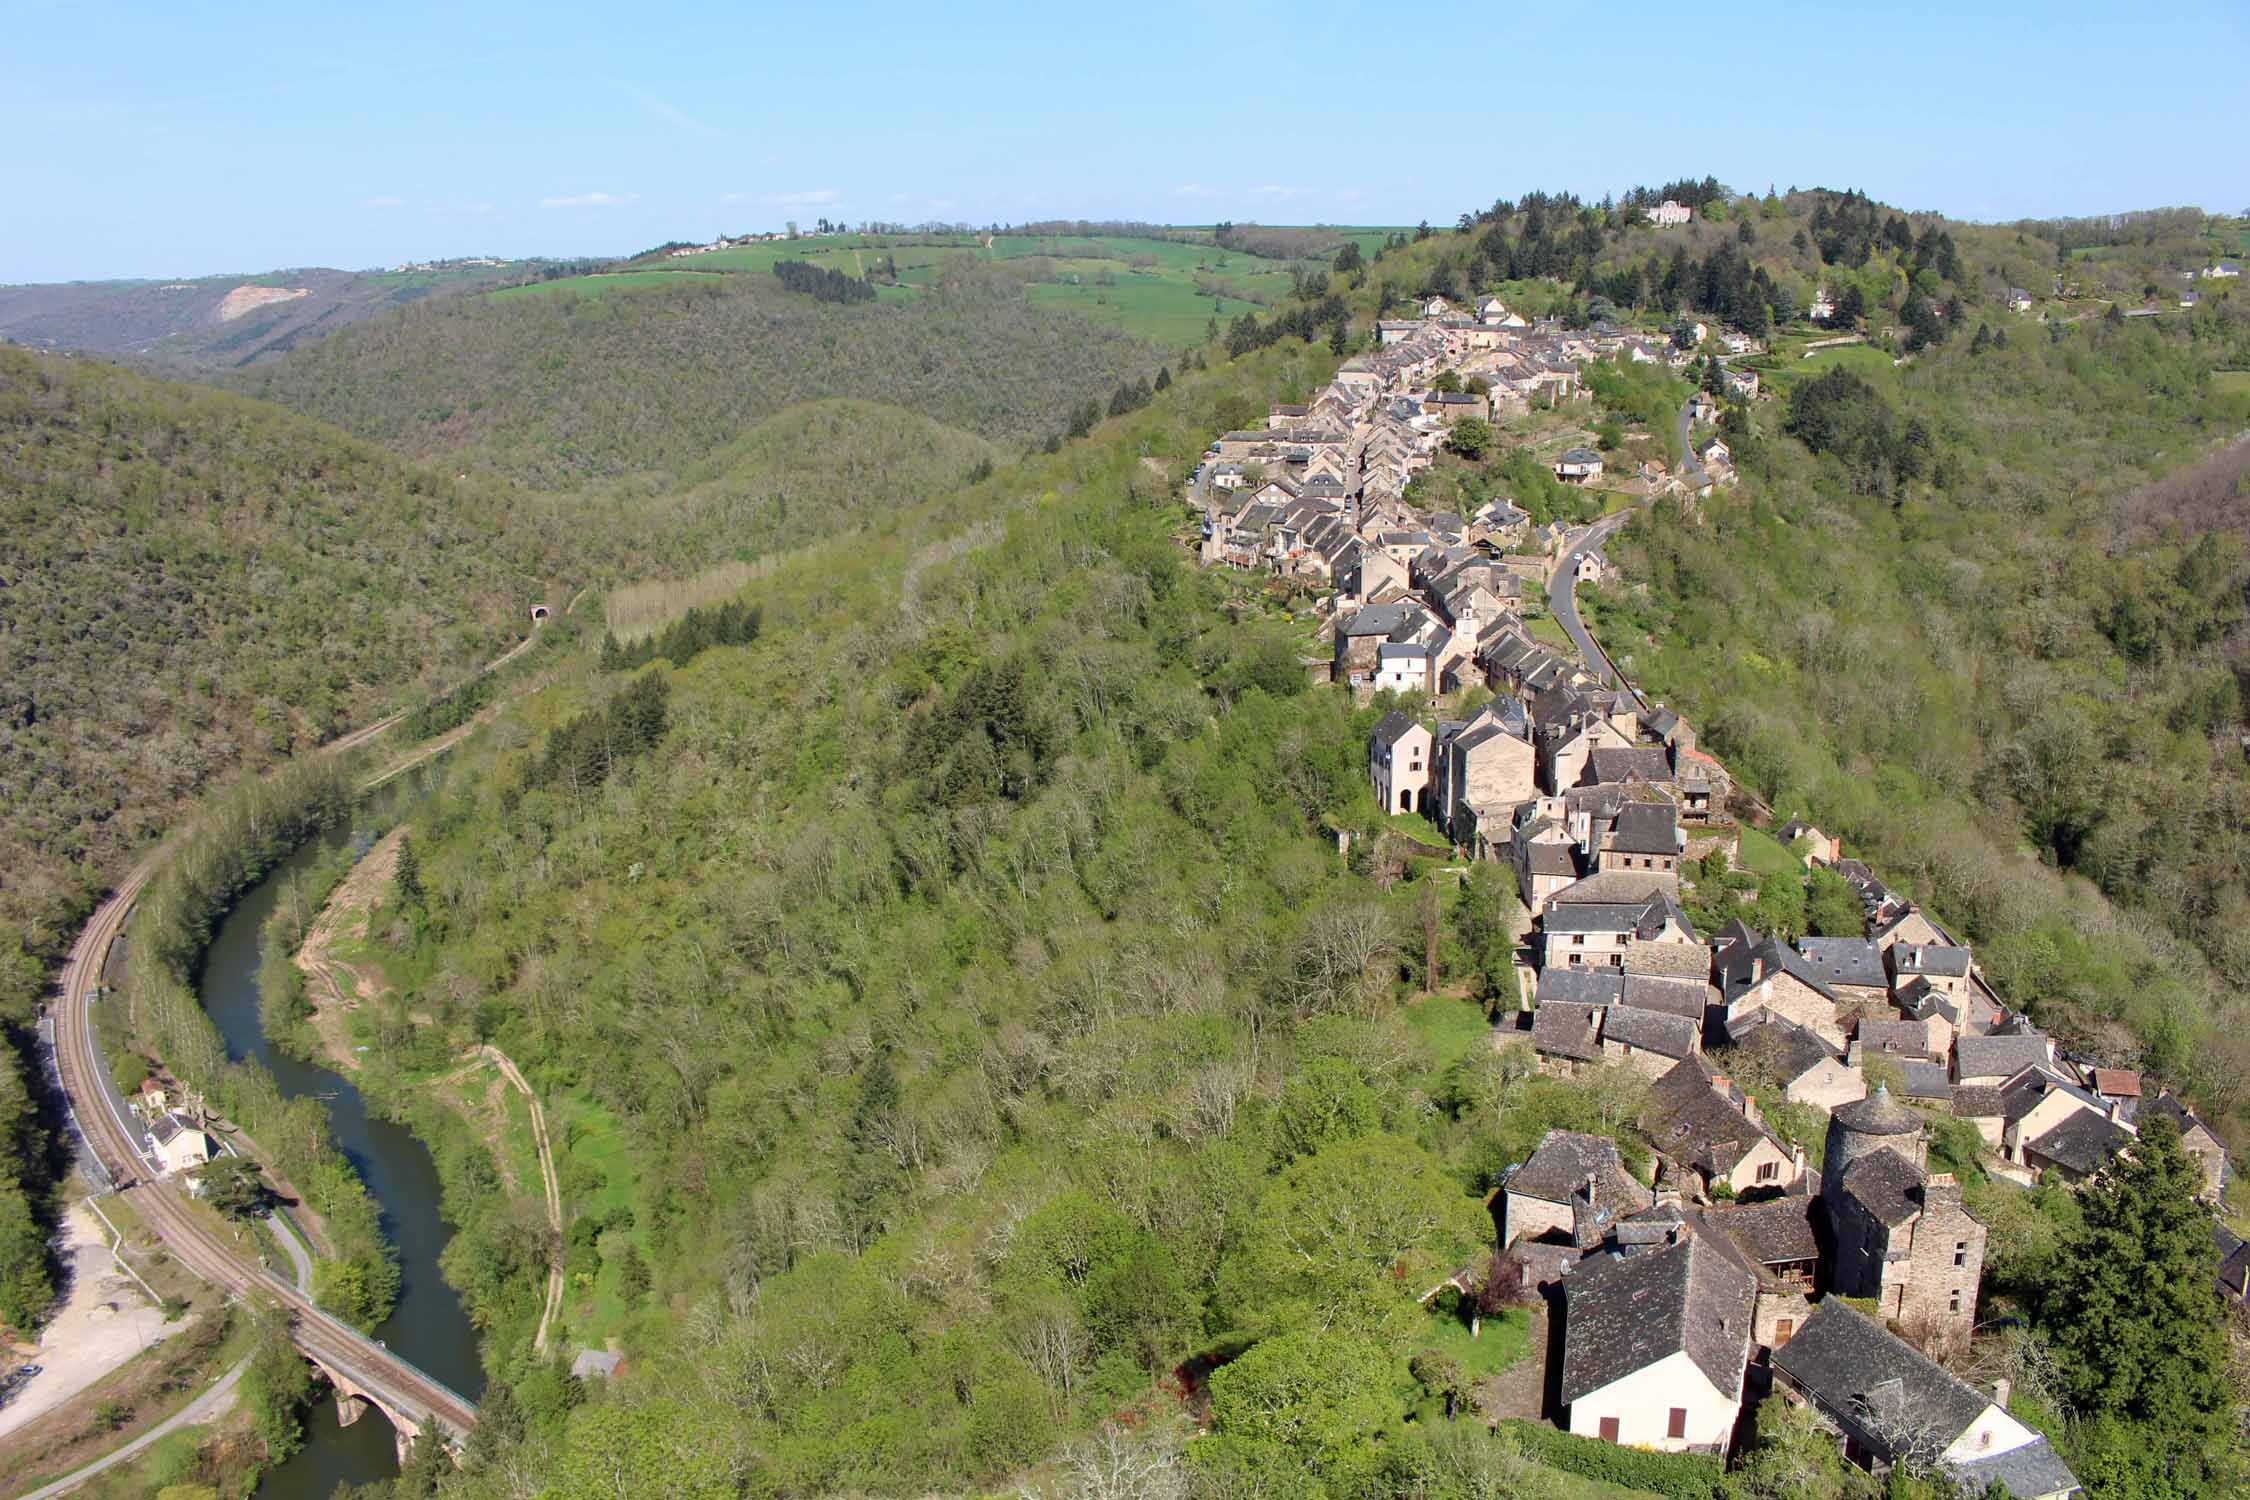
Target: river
430,1327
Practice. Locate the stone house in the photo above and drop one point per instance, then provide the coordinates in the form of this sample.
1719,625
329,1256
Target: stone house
1780,1242
1888,1401
1486,768
1996,1059
1707,1131
1536,1202
1644,837
1757,974
1399,763
1900,1235
1656,1345
1850,968
1800,1063
2196,1139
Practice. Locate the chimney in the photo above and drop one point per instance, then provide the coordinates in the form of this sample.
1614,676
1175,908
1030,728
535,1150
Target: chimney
2001,1390
1593,1188
1942,1187
2110,1109
1797,1157
1757,968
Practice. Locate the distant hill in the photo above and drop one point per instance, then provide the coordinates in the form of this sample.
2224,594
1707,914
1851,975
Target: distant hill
195,582
600,377
225,322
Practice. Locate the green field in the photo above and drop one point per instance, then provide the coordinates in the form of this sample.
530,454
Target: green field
1165,291
2237,381
1761,854
1788,366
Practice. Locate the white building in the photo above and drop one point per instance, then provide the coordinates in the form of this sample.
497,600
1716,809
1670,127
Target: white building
1667,214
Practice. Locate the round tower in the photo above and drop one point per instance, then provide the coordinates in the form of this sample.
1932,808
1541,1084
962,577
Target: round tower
1875,1123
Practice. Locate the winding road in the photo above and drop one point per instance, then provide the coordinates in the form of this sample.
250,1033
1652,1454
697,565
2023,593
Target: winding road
1562,584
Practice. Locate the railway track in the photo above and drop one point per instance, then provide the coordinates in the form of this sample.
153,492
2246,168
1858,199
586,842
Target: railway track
111,1140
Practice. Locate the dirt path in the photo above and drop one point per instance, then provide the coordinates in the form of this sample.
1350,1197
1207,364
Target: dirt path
105,1321
550,1186
335,987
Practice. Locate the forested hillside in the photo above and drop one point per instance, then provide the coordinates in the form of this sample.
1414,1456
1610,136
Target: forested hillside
596,378
1007,1026
226,322
1942,617
196,582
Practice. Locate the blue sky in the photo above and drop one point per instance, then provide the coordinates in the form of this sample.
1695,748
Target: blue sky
161,140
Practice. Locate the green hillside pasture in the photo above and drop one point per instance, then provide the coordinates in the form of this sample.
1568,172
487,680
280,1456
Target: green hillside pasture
1155,295
1157,308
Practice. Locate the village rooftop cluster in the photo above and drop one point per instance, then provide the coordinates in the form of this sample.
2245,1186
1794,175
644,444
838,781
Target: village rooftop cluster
1741,1272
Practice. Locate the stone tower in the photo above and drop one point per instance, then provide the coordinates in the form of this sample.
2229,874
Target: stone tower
1875,1123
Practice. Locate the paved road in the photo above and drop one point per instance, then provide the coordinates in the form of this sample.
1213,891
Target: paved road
203,1408
1562,593
1691,472
1562,584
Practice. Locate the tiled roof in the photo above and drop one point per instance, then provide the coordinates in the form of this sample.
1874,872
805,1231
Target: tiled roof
1872,1382
1563,1162
1886,1184
1626,1314
1854,961
1563,1030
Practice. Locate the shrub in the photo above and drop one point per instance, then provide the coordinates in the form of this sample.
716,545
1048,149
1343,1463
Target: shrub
1682,1476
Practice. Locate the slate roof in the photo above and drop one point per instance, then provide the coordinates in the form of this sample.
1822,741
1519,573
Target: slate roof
1849,1364
1605,917
1999,1056
1790,1050
1670,961
1572,1031
1631,888
1899,1038
1563,1162
1381,619
1978,1102
1926,1080
1626,1314
2084,1142
1776,1232
2032,1471
1550,859
1622,763
1854,961
1688,998
1689,1121
1655,1031
1645,828
1570,986
1886,1184
1393,727
1935,959
1878,1114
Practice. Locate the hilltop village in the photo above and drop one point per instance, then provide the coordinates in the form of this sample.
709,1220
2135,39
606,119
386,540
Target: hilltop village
1832,1264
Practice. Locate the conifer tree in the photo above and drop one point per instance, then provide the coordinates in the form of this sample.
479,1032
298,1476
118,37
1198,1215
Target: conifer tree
406,876
2133,1318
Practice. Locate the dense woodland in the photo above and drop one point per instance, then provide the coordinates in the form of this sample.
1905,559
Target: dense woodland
194,583
558,386
988,1036
1946,615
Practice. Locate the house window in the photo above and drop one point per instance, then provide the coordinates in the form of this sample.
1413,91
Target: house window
1578,940
1768,1171
1955,1301
1677,1427
1960,1252
1609,1429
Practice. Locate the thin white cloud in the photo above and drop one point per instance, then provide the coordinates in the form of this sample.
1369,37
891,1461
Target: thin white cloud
1194,190
1276,190
1348,195
382,200
590,200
